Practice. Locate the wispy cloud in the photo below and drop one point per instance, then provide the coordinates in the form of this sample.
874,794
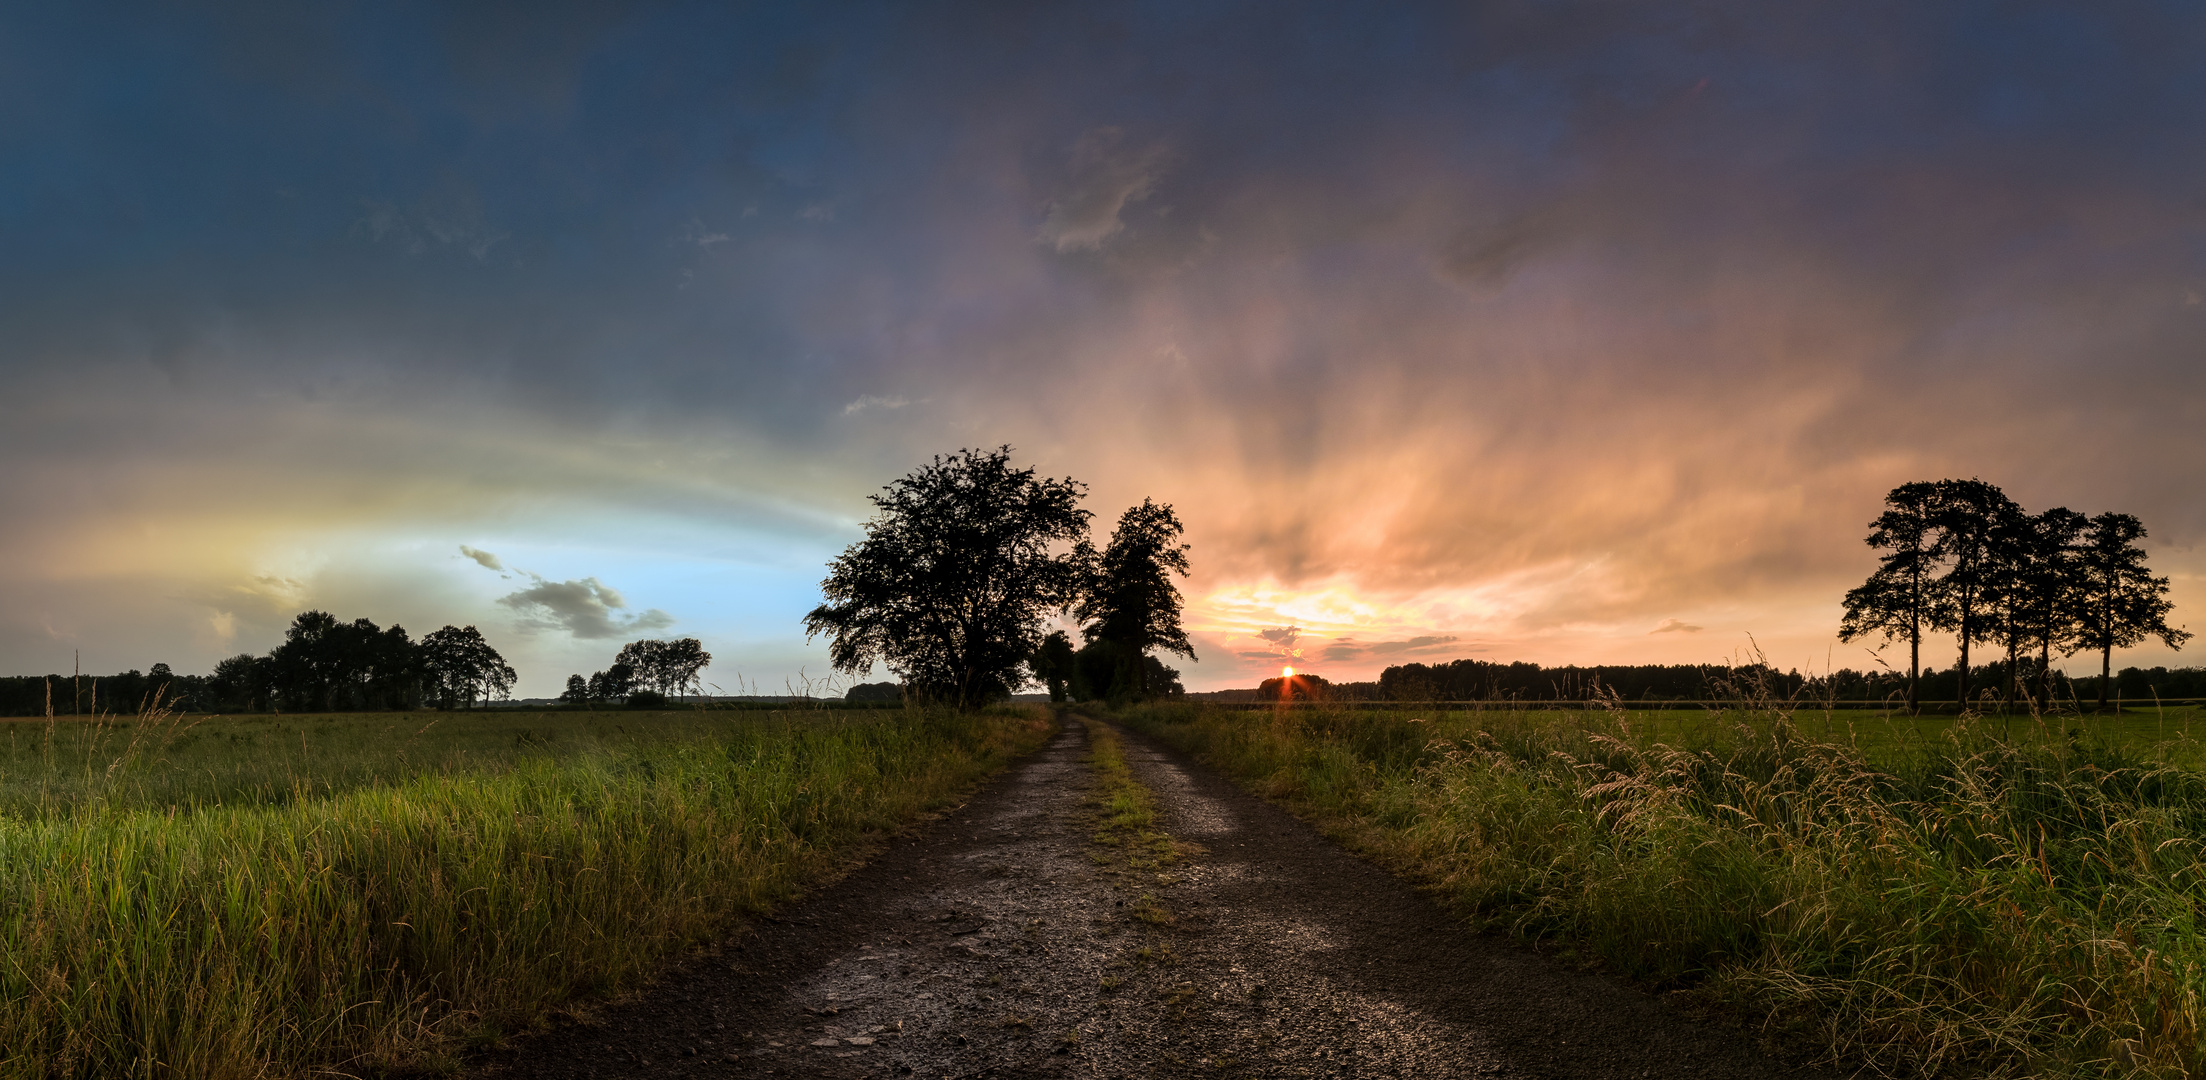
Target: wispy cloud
1675,626
874,401
488,560
1107,174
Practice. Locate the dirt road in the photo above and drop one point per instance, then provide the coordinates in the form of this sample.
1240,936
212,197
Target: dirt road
1001,941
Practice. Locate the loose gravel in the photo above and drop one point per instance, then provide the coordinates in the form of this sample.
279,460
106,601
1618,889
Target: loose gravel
1002,941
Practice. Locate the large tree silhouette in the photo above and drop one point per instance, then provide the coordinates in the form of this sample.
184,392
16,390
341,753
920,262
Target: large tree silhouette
461,667
1897,602
1133,606
956,572
669,667
2119,602
1969,517
2047,583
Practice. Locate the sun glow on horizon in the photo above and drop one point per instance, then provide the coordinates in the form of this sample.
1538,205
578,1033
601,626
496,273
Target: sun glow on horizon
1287,672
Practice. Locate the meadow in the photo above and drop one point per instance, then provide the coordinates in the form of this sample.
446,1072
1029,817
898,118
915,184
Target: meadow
357,894
2016,896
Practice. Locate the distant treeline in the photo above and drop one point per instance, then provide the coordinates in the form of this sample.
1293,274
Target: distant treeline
76,695
1484,680
328,665
325,664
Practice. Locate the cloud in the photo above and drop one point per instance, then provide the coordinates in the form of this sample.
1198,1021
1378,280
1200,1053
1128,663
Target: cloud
1675,626
1106,175
587,608
1347,650
488,561
873,401
696,233
1486,258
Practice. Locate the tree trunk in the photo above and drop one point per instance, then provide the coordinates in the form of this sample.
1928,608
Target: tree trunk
2106,673
2014,673
1914,664
2045,669
1961,691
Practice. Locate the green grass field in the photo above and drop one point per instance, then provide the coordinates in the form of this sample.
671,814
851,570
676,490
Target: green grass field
1924,898
273,896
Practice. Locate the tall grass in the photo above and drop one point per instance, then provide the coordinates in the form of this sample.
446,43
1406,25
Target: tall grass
374,915
2026,905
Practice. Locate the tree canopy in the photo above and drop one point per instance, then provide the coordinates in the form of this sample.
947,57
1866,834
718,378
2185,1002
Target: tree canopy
459,667
959,566
2118,601
1963,558
1897,602
1131,605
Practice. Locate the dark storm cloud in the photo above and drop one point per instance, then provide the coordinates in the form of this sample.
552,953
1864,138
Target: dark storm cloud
504,188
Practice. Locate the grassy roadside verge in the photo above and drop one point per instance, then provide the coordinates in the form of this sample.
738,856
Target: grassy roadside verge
381,926
1988,907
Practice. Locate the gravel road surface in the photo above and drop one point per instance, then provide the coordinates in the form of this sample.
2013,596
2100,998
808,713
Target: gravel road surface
1001,941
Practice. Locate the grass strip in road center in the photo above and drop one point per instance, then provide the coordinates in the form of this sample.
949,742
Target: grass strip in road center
1126,818
1989,906
383,925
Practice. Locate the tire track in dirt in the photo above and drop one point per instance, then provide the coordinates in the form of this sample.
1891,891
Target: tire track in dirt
1002,941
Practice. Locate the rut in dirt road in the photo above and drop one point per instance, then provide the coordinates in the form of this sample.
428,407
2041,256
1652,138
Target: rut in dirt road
1004,942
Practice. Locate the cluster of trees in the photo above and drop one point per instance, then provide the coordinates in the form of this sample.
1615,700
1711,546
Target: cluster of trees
328,665
644,672
1962,558
323,665
965,561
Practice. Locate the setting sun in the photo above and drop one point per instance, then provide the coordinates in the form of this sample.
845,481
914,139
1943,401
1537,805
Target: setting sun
1286,672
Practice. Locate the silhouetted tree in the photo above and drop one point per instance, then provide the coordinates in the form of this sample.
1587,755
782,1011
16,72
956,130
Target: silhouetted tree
303,670
239,683
666,667
682,664
1968,516
577,692
1132,603
1899,600
1052,664
955,574
2120,603
642,658
461,667
877,691
614,683
2049,581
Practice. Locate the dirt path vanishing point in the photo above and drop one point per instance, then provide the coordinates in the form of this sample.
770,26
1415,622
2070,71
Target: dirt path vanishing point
1001,941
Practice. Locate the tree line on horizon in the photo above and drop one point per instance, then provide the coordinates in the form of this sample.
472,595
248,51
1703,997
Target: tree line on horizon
965,561
1503,681
325,664
1962,558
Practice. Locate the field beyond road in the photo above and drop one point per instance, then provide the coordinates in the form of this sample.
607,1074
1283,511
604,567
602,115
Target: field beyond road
2006,897
268,896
